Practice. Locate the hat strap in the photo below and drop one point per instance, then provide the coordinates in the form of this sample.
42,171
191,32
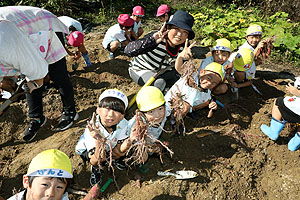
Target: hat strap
169,52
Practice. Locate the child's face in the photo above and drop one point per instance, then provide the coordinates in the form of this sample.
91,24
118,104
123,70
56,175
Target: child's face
137,18
164,18
109,117
156,115
209,79
177,36
253,40
220,56
44,188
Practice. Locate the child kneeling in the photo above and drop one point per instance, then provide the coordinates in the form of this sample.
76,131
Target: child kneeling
111,127
285,109
48,177
151,104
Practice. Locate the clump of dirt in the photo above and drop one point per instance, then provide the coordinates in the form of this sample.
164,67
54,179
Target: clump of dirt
229,167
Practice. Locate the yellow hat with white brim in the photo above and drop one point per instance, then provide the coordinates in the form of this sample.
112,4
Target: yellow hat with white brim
51,163
222,45
254,30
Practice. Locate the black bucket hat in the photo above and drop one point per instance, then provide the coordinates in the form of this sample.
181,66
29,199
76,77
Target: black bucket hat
183,20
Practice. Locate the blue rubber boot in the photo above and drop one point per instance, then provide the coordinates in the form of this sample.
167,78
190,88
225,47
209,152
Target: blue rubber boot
274,129
87,59
294,143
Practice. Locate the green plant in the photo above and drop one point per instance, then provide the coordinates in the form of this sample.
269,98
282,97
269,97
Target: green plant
232,22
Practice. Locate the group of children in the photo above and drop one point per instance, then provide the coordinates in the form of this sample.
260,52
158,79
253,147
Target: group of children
110,138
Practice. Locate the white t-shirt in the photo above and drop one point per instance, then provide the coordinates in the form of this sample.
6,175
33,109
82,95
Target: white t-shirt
113,33
292,103
68,21
136,26
191,95
87,142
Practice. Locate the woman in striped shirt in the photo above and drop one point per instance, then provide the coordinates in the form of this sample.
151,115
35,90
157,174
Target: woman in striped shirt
157,50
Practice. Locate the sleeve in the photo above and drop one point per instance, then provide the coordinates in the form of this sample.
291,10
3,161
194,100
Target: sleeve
80,147
124,130
141,46
120,37
18,51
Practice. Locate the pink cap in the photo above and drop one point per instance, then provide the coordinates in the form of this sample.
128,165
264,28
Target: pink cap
138,10
163,9
76,39
125,20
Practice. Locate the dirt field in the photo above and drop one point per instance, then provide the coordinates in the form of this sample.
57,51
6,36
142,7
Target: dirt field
238,163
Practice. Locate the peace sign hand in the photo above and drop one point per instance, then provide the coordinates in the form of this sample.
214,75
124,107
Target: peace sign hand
187,51
159,36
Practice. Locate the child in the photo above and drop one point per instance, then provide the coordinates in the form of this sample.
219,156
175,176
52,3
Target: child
285,109
253,37
151,103
242,72
76,39
164,13
220,54
137,16
112,125
193,98
45,31
152,52
48,177
118,36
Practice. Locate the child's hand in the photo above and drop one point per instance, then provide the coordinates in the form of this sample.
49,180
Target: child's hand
159,36
187,51
261,44
293,90
76,55
213,105
234,84
93,128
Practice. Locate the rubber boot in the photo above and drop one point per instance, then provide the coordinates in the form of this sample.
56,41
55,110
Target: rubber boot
294,143
87,59
274,129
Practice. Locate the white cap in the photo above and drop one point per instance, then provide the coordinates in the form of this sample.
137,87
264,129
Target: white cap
116,94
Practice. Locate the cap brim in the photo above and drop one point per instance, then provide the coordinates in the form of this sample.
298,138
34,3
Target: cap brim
191,32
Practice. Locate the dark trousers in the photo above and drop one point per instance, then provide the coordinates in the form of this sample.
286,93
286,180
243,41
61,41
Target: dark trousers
59,75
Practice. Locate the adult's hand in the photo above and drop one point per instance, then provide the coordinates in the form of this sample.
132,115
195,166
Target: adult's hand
160,35
293,90
187,51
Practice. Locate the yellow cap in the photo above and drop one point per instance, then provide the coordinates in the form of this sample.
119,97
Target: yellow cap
51,163
217,68
222,45
243,59
149,98
254,30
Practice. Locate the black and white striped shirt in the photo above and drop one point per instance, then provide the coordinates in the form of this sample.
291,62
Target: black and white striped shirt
156,56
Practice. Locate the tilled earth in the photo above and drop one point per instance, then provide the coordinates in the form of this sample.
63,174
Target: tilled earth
236,161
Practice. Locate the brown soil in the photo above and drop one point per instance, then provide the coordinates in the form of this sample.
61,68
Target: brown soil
231,164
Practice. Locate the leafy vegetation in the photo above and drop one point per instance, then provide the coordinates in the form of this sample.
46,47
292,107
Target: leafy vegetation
232,23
